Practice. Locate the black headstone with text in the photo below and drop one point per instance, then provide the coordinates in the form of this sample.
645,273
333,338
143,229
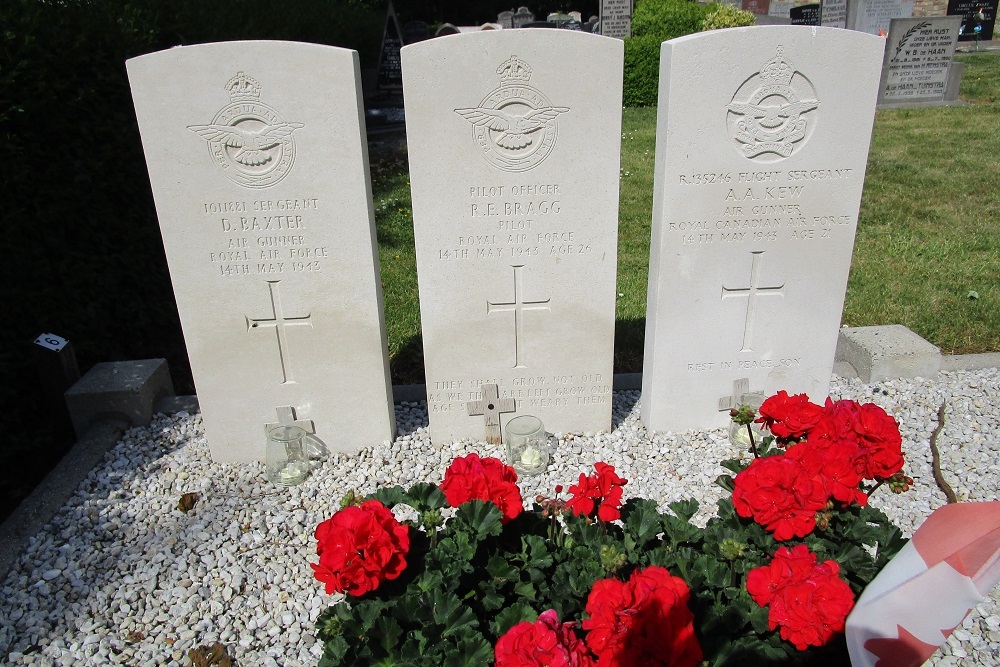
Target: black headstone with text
390,73
805,14
978,18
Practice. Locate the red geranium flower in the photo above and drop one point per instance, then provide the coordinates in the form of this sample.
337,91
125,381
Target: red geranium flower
602,492
359,547
544,643
781,495
644,622
833,462
473,478
807,600
789,417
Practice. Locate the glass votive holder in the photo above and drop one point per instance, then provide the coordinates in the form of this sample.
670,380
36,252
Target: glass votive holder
738,432
286,462
527,445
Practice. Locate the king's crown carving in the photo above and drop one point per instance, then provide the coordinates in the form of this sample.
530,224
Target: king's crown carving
514,70
777,70
242,87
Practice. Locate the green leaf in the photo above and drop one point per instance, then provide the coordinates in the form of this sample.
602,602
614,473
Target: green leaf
390,497
642,519
481,517
448,611
511,616
334,651
426,496
500,568
733,465
727,482
525,589
685,509
387,632
471,650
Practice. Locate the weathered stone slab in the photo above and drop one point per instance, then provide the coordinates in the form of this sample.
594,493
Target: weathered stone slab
875,16
762,142
258,163
514,170
918,54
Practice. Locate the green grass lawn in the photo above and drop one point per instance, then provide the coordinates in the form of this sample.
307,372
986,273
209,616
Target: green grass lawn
927,253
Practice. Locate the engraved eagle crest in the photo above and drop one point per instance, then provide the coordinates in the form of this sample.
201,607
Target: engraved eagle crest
513,129
251,144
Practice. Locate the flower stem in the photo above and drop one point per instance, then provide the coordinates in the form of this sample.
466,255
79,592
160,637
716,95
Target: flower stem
753,445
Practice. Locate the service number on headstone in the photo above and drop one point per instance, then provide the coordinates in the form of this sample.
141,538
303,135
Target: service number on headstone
514,170
760,161
258,163
918,55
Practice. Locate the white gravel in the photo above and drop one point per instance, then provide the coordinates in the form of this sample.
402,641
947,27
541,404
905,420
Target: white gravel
121,576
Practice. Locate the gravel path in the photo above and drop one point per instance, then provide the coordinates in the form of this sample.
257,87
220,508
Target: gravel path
121,576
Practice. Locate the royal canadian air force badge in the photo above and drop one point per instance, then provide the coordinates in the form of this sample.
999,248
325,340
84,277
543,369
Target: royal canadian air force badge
769,117
249,141
515,125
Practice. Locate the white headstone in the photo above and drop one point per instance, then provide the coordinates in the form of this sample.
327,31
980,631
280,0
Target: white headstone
514,171
759,172
616,18
259,169
833,13
873,16
780,8
917,61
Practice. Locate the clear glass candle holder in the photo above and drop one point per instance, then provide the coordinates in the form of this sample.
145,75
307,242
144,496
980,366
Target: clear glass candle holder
527,445
738,432
286,461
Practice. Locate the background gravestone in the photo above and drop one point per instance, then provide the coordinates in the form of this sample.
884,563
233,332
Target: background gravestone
917,61
756,7
780,8
804,14
506,19
259,169
514,171
873,16
833,13
616,18
760,164
975,13
522,16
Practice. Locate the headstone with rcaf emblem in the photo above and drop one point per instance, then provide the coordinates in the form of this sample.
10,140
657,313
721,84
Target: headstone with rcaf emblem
258,163
514,173
757,187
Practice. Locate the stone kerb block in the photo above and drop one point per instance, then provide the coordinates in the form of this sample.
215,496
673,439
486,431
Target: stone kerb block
761,146
888,352
515,170
126,390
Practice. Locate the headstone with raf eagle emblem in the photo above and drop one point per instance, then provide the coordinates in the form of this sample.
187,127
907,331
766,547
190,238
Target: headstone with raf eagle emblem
258,163
758,179
514,173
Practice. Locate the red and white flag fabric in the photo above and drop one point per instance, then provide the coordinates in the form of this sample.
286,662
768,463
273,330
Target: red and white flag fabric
926,591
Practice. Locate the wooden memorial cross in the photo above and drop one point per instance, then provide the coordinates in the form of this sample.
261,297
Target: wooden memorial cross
740,387
491,406
286,417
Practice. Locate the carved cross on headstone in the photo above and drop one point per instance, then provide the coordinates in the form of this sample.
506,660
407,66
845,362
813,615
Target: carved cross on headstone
740,387
286,417
517,306
278,321
491,406
751,292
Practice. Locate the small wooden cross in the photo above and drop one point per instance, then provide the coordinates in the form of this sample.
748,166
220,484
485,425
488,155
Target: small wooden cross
740,387
491,406
286,417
